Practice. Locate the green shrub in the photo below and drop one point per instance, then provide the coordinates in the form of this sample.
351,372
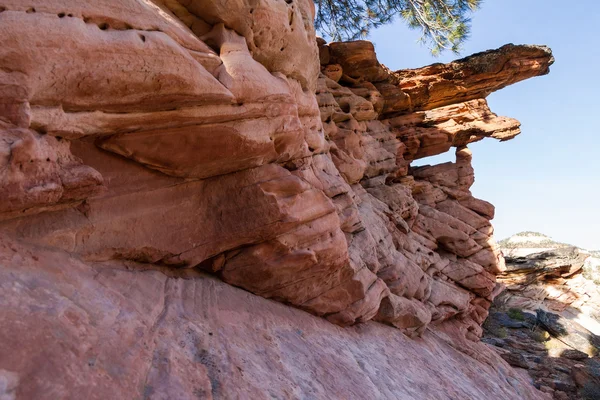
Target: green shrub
494,329
516,314
539,335
502,332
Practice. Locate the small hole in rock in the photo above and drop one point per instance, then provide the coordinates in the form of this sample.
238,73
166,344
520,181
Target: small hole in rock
283,48
103,26
143,38
61,15
48,159
30,10
69,15
209,333
2,9
251,10
289,1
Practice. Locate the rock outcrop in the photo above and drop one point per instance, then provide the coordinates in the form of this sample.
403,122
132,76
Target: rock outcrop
115,330
560,355
145,143
525,243
546,318
552,279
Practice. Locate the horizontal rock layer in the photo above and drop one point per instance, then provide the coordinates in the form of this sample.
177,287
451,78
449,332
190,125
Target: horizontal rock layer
553,280
121,330
546,319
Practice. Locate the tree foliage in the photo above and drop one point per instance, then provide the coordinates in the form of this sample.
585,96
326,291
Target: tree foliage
444,24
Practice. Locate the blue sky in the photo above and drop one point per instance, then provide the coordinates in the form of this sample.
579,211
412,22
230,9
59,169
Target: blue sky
548,178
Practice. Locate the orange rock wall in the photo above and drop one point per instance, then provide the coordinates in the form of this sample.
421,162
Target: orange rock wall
225,138
191,137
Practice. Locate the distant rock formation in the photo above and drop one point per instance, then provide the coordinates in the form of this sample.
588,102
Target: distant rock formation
525,243
546,320
543,273
146,144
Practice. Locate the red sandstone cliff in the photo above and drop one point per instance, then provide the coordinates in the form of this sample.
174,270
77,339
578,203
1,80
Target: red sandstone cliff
148,144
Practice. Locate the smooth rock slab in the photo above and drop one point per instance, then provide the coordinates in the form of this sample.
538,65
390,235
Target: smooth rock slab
104,331
569,332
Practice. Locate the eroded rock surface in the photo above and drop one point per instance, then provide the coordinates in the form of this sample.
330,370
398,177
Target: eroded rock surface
201,135
555,281
559,354
546,319
127,330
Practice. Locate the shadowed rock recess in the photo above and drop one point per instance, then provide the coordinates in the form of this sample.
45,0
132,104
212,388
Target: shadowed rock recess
547,319
148,147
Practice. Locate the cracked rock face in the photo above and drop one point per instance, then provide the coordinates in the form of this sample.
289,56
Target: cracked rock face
546,319
147,138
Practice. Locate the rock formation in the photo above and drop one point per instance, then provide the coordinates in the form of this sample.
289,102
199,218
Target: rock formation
546,319
556,277
552,279
146,144
525,243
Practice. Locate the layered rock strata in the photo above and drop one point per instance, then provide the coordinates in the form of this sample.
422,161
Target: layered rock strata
117,330
560,355
197,135
553,280
546,321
